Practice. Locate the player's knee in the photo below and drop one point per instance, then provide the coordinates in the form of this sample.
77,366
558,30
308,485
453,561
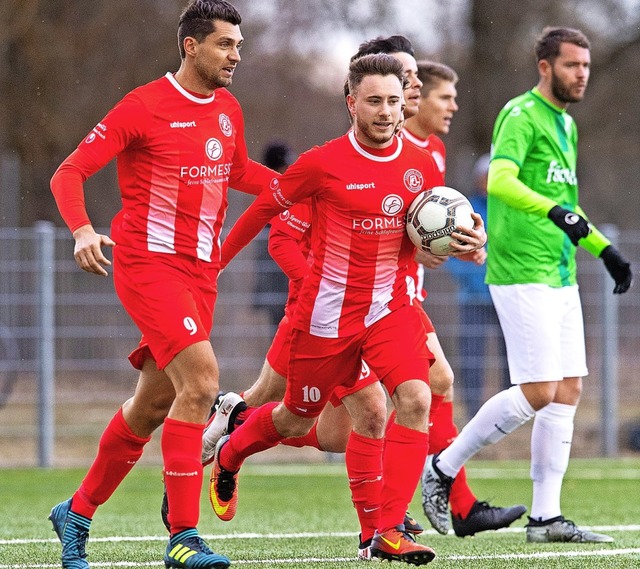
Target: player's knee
441,378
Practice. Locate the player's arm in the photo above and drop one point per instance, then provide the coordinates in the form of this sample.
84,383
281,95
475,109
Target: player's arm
292,187
247,175
67,186
284,241
503,183
600,247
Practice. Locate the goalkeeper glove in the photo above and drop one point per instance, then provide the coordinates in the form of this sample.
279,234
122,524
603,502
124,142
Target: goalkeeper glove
619,268
574,225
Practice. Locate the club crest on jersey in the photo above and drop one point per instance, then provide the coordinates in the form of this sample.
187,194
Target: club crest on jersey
392,204
413,180
213,148
225,124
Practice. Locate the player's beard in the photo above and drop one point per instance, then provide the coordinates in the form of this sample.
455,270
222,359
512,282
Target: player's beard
211,78
377,137
562,91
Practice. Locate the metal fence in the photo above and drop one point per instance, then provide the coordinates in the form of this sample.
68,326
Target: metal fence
58,321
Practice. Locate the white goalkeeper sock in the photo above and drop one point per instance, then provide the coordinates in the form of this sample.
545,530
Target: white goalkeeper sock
550,448
499,416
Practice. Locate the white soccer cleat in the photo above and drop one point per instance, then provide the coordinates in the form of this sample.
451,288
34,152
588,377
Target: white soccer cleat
220,424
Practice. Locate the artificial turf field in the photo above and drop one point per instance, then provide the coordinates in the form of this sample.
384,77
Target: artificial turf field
293,516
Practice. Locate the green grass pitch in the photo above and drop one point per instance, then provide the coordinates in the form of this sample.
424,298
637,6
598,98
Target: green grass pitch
294,516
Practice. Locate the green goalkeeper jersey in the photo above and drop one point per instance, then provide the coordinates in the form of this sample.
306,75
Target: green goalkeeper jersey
541,139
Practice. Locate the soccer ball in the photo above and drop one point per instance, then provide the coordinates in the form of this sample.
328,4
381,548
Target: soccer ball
434,214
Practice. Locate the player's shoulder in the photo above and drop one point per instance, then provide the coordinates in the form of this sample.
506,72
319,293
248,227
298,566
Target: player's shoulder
524,105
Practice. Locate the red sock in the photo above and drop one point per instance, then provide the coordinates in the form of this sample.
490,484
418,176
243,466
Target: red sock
390,421
442,433
118,451
363,459
181,445
436,402
405,452
442,429
256,434
308,440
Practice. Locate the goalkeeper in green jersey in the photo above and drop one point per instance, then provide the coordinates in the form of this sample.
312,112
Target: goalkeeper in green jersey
534,226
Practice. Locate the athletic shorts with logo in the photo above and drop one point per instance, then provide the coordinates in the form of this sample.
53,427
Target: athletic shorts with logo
170,298
394,347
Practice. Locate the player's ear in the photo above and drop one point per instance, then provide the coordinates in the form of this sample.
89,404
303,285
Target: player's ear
190,46
351,105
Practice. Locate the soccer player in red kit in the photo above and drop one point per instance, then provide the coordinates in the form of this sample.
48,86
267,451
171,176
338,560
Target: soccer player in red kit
354,303
429,82
179,143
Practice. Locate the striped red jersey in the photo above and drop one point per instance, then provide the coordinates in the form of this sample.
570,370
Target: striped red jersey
359,199
177,153
289,246
437,149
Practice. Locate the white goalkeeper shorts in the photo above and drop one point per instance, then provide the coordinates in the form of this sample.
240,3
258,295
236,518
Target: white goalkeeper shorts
543,330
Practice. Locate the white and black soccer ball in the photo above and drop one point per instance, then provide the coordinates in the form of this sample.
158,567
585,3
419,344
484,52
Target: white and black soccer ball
434,215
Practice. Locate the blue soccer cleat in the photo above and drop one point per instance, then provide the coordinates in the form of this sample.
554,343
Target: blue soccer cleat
73,532
188,550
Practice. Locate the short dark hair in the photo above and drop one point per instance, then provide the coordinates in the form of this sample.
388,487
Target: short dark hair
197,19
373,64
392,44
548,44
431,73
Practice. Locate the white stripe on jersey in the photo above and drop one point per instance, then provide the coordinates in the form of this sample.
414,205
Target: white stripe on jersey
161,219
327,308
382,294
211,205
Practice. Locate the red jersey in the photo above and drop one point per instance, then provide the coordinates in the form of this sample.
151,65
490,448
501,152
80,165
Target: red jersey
361,250
289,246
436,147
177,153
433,144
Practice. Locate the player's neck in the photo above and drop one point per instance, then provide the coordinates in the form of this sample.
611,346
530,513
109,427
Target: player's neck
416,129
190,82
545,90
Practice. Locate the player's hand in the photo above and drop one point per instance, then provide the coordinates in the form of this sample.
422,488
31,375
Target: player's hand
574,225
468,239
619,268
429,260
88,250
478,257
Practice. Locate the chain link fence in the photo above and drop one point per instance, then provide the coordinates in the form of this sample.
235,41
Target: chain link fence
91,336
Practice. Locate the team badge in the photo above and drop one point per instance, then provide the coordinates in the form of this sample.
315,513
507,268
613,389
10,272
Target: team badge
413,180
213,148
225,124
392,204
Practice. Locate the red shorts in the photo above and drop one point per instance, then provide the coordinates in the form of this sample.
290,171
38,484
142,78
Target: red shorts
366,377
394,347
170,298
278,358
426,321
280,348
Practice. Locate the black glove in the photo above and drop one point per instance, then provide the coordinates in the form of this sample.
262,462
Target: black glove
574,225
619,268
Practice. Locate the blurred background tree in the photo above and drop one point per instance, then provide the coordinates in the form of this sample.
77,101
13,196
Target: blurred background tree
65,63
